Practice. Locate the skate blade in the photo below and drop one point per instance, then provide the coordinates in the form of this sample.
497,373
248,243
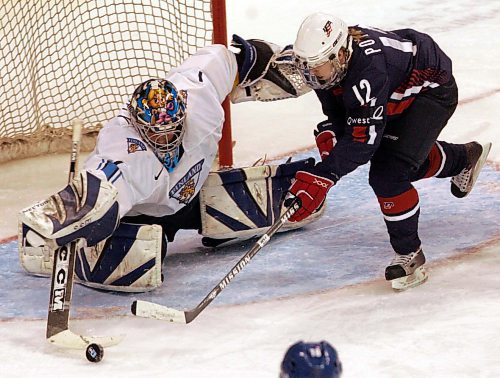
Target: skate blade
478,168
480,163
415,279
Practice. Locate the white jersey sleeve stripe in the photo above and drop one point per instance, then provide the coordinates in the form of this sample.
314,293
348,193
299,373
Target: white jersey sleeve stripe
413,90
398,45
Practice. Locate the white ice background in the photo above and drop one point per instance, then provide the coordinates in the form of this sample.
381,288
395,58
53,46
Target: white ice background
322,283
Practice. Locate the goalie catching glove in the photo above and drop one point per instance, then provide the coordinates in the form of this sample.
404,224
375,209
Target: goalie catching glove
311,191
265,72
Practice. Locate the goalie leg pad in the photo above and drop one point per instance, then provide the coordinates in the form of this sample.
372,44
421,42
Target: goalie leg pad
86,208
35,257
129,261
242,203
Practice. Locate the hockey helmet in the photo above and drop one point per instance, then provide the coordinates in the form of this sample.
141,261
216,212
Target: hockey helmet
318,360
158,112
319,39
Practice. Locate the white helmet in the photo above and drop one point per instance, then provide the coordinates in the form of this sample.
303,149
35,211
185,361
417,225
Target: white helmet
319,40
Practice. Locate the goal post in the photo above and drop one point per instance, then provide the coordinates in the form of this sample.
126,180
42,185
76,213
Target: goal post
220,37
65,59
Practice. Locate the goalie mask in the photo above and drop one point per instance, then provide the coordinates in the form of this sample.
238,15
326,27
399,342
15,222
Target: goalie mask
319,40
158,112
311,360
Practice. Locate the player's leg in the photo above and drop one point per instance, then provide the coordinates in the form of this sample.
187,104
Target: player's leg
461,162
404,152
129,261
188,218
414,138
400,206
463,182
444,160
242,203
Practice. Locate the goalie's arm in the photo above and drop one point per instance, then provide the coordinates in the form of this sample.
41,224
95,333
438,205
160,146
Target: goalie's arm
86,208
266,72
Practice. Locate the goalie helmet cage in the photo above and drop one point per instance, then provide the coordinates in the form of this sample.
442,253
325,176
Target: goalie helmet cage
64,59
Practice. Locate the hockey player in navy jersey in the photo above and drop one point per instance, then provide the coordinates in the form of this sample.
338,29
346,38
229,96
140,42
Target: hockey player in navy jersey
386,95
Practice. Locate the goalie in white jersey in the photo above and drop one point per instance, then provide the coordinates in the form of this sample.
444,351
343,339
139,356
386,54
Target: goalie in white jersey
141,183
155,152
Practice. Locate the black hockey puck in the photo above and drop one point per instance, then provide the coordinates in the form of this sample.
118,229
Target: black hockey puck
94,353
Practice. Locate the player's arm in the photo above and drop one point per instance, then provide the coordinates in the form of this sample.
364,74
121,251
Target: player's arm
365,118
86,208
252,70
328,131
213,64
92,204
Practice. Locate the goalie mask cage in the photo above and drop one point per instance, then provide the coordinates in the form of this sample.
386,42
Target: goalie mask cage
66,59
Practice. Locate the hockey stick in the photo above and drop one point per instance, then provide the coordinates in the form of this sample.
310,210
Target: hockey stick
152,310
58,332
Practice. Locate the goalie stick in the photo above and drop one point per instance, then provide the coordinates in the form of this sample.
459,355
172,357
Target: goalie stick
147,309
58,332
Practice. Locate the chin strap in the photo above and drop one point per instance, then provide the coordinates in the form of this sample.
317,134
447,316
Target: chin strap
170,160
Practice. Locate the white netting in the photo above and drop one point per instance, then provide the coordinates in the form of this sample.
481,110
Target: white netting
65,59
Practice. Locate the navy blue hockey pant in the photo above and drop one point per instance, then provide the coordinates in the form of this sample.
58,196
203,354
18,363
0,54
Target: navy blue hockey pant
409,152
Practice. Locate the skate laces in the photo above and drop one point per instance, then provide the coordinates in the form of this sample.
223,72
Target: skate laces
403,260
462,179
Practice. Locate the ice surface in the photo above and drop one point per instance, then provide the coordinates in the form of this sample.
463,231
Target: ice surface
324,282
347,246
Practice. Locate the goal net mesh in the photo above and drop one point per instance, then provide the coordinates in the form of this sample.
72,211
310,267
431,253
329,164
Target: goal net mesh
64,59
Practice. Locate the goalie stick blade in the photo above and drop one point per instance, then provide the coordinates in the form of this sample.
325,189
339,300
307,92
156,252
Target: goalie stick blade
71,340
152,310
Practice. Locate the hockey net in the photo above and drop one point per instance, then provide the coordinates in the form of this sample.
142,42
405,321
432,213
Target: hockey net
66,59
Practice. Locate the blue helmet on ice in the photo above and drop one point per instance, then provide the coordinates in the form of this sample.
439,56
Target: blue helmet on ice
312,360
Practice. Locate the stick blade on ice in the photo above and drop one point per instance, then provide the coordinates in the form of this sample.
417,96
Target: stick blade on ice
71,340
155,311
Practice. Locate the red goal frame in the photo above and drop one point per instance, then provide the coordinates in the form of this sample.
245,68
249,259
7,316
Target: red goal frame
220,37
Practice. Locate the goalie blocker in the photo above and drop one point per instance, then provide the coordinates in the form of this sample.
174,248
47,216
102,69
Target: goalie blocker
235,205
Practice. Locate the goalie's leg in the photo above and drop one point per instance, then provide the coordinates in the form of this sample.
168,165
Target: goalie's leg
242,203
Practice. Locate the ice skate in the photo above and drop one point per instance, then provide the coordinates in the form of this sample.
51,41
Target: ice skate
462,184
406,271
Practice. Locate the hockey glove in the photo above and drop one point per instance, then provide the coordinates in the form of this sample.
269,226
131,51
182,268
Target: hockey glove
325,139
254,61
311,190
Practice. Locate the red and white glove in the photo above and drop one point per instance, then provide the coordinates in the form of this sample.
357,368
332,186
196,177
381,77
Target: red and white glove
325,139
311,190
